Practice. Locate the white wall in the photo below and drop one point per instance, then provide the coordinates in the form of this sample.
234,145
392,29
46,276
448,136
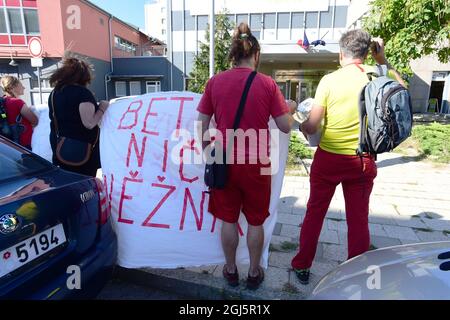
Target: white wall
153,19
356,10
202,7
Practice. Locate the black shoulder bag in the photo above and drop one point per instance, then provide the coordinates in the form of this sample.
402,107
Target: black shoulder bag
69,151
216,173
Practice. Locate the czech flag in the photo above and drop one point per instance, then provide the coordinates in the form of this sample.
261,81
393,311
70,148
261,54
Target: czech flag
305,42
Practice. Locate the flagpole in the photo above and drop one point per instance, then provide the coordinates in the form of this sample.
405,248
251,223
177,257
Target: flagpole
211,40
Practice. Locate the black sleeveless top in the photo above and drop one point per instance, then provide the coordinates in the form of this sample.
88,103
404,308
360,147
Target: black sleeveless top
66,102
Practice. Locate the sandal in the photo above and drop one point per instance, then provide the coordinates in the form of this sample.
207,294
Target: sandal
253,283
232,278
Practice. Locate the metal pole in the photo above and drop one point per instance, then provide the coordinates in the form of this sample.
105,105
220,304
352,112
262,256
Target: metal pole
39,83
211,41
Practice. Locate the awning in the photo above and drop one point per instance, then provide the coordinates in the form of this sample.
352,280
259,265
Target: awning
135,76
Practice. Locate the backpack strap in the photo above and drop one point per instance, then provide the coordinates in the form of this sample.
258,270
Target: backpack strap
362,146
2,109
381,70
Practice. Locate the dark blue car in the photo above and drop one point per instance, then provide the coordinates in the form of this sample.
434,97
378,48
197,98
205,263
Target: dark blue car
56,238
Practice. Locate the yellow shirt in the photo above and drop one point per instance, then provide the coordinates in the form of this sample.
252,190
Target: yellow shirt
338,93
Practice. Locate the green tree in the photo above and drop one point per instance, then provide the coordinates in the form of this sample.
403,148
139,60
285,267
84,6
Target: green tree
222,37
411,29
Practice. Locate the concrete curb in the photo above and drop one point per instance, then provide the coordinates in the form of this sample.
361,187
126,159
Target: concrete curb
198,286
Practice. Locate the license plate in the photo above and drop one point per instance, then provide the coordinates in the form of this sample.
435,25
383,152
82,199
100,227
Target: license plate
28,250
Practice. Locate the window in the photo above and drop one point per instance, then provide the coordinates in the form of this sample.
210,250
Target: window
189,21
121,88
231,18
31,21
242,18
45,84
3,28
311,20
153,86
135,88
255,22
340,17
163,32
15,21
269,20
124,45
202,23
326,19
297,20
283,20
163,21
15,162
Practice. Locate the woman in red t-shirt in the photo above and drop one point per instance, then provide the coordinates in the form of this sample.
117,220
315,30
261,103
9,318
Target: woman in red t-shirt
18,113
247,189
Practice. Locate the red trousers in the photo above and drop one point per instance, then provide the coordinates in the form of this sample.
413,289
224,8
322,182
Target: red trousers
356,175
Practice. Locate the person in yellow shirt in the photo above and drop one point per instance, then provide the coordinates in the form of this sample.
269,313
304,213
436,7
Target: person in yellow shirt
335,161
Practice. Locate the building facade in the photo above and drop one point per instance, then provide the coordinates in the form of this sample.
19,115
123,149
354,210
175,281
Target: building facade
156,19
278,24
77,26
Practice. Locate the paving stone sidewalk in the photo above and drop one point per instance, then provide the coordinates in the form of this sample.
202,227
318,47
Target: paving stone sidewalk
410,203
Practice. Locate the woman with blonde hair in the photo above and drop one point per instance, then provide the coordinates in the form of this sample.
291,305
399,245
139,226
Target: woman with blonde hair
20,117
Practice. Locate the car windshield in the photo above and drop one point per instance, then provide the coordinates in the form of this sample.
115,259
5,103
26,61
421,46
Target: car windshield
16,162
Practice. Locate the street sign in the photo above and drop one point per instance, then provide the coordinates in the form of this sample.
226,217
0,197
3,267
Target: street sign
35,47
36,50
37,62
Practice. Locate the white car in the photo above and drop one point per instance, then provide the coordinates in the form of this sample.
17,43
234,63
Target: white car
412,272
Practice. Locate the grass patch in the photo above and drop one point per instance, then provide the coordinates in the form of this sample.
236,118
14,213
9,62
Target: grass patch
446,232
298,150
289,246
273,248
430,141
294,171
289,288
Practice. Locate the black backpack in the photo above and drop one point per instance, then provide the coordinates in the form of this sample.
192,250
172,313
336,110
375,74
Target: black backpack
6,130
385,115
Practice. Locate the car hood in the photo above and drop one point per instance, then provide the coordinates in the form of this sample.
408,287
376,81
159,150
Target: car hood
410,272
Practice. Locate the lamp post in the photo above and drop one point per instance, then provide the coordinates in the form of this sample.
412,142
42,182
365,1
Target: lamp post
211,40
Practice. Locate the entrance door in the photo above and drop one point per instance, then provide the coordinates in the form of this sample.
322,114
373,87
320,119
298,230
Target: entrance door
436,90
302,91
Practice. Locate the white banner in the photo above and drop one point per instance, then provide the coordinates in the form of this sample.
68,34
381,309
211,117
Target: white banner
40,142
159,204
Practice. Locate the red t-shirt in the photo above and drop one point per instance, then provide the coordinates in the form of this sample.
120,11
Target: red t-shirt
13,107
222,96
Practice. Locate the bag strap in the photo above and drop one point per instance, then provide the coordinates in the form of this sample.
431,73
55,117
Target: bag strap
52,98
240,110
